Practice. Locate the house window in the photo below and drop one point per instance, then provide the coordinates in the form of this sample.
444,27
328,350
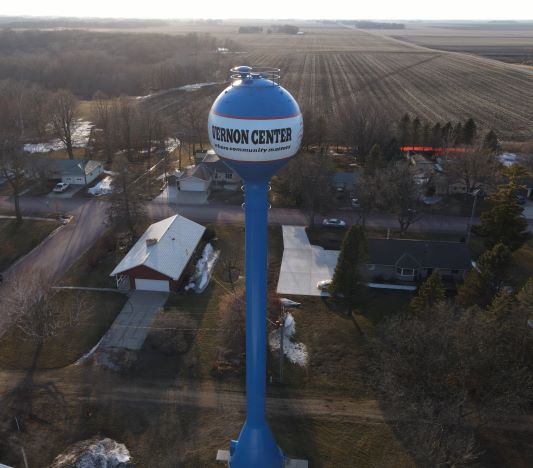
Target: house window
229,175
406,271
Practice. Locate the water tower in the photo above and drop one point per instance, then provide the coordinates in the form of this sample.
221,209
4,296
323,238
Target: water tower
255,126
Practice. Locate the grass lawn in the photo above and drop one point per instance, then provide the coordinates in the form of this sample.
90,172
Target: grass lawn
457,205
17,352
93,268
18,239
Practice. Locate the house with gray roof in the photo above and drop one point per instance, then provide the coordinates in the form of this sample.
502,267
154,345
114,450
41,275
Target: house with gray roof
69,171
407,260
223,176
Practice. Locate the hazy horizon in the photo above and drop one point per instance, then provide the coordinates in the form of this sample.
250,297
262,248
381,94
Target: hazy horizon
382,10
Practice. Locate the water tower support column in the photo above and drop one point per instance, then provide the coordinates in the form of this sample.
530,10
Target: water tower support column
256,446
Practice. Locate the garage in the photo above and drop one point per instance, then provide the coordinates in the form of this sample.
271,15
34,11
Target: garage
152,285
159,258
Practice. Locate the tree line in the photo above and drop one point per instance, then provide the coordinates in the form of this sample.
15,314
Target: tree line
114,63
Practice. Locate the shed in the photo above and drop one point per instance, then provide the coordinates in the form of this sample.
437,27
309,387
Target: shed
158,259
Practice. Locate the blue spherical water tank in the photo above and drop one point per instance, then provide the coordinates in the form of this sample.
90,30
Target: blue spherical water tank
255,120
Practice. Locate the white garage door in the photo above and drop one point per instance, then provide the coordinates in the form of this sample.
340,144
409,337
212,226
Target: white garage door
151,285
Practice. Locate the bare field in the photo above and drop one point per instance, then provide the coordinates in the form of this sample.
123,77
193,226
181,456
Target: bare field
328,67
508,43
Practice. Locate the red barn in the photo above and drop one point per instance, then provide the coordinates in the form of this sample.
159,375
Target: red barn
158,259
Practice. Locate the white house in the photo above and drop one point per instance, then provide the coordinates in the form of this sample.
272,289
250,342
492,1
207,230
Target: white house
70,171
159,258
196,179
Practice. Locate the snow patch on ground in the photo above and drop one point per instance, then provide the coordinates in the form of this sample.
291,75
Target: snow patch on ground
204,269
102,188
295,352
80,137
94,453
187,88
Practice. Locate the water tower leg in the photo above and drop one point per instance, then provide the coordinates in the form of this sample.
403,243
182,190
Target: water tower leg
256,446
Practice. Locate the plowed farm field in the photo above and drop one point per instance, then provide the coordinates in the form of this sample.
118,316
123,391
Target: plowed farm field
328,67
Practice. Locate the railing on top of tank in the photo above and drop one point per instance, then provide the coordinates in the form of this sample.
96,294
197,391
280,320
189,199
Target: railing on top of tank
249,73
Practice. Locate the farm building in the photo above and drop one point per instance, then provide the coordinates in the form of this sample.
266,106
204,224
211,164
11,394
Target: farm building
409,260
69,171
159,258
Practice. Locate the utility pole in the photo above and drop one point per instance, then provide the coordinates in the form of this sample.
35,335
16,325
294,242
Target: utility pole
475,193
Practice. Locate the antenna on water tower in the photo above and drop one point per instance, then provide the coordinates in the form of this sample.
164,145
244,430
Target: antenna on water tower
255,126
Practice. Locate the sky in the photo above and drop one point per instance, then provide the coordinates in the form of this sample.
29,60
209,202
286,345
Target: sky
273,9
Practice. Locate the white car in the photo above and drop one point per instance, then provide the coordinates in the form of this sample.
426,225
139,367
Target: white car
333,222
323,285
61,187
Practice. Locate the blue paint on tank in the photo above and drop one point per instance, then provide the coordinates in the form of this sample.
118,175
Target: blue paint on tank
255,103
254,97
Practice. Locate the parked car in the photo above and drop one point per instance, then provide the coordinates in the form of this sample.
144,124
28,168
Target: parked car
334,222
355,203
61,187
324,285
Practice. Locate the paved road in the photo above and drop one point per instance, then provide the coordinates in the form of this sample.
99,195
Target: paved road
231,214
57,253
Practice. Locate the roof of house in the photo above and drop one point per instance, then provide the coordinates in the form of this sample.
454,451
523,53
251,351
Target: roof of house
67,166
409,253
214,164
345,178
199,171
166,247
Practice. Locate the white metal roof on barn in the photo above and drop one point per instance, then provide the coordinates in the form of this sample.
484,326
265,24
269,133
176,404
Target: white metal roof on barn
171,243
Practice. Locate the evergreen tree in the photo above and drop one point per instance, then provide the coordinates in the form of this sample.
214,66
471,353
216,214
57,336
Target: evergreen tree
374,160
504,222
430,293
392,151
415,132
404,130
486,280
458,134
426,134
491,141
347,277
446,133
469,132
436,135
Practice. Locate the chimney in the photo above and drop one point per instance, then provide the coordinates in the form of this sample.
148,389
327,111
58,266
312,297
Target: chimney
150,242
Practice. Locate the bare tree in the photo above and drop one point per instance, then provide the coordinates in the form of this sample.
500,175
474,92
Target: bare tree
363,125
449,372
102,115
231,261
307,179
14,167
30,300
63,108
474,168
127,203
401,195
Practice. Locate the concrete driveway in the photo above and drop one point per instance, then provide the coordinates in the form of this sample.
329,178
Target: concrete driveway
130,328
303,265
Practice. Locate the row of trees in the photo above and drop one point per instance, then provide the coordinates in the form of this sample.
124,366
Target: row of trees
115,63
